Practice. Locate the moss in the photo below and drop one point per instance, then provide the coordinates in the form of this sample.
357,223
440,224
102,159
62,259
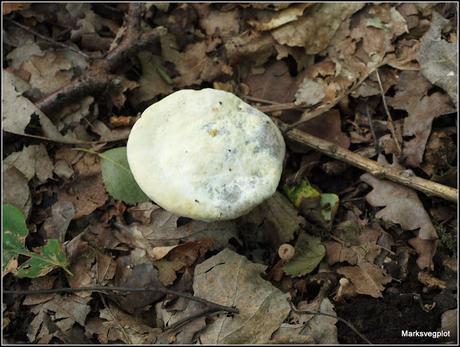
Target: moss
447,236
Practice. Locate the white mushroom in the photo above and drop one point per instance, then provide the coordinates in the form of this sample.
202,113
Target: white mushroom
206,154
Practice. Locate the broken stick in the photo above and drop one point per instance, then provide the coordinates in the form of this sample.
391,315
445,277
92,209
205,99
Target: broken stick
404,177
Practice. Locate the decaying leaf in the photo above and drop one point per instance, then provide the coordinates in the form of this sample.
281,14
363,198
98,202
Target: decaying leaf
309,251
16,189
114,325
278,218
367,278
401,206
55,227
438,58
86,194
17,111
31,161
57,316
231,279
413,96
314,30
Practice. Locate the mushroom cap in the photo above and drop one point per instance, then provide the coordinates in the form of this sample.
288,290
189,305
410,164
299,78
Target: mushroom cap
206,154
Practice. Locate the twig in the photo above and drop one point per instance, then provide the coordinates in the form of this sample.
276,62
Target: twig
371,126
390,119
124,289
98,77
265,101
180,323
48,39
351,326
371,166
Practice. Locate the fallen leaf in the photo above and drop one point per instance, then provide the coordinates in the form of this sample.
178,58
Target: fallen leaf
18,110
136,274
314,30
438,58
220,23
309,251
55,226
367,278
115,325
401,206
274,84
328,127
412,96
118,178
426,250
430,281
230,279
16,190
151,83
278,219
32,161
86,194
13,7
269,20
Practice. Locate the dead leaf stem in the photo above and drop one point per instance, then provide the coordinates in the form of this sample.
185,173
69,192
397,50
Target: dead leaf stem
45,38
371,166
391,126
210,304
344,321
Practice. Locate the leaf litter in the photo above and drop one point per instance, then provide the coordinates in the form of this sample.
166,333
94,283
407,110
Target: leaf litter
358,239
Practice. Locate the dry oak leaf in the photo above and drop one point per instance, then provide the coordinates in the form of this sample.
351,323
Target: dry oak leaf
32,161
315,29
86,194
367,278
115,325
401,206
269,20
412,96
426,250
231,279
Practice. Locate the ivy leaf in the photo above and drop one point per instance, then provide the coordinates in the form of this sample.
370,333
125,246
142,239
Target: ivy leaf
14,235
50,257
309,251
118,178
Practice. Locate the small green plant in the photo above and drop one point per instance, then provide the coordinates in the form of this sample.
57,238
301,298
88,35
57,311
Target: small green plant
14,233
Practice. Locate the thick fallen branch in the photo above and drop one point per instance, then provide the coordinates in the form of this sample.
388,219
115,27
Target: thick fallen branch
98,77
404,177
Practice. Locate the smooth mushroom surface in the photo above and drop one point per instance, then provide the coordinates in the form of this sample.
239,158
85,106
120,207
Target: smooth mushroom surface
206,154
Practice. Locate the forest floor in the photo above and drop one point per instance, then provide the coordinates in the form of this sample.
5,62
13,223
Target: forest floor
366,97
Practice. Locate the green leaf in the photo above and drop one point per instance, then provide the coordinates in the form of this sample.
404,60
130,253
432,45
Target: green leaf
38,265
309,251
301,192
329,205
14,236
118,178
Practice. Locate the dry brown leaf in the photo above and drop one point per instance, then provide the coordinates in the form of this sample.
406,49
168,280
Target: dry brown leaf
269,20
328,127
425,250
32,161
231,279
430,281
314,30
250,46
55,226
115,325
16,190
86,194
367,278
217,22
13,7
274,84
412,96
401,206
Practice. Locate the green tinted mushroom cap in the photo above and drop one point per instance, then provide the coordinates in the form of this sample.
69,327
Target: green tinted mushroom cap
206,154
